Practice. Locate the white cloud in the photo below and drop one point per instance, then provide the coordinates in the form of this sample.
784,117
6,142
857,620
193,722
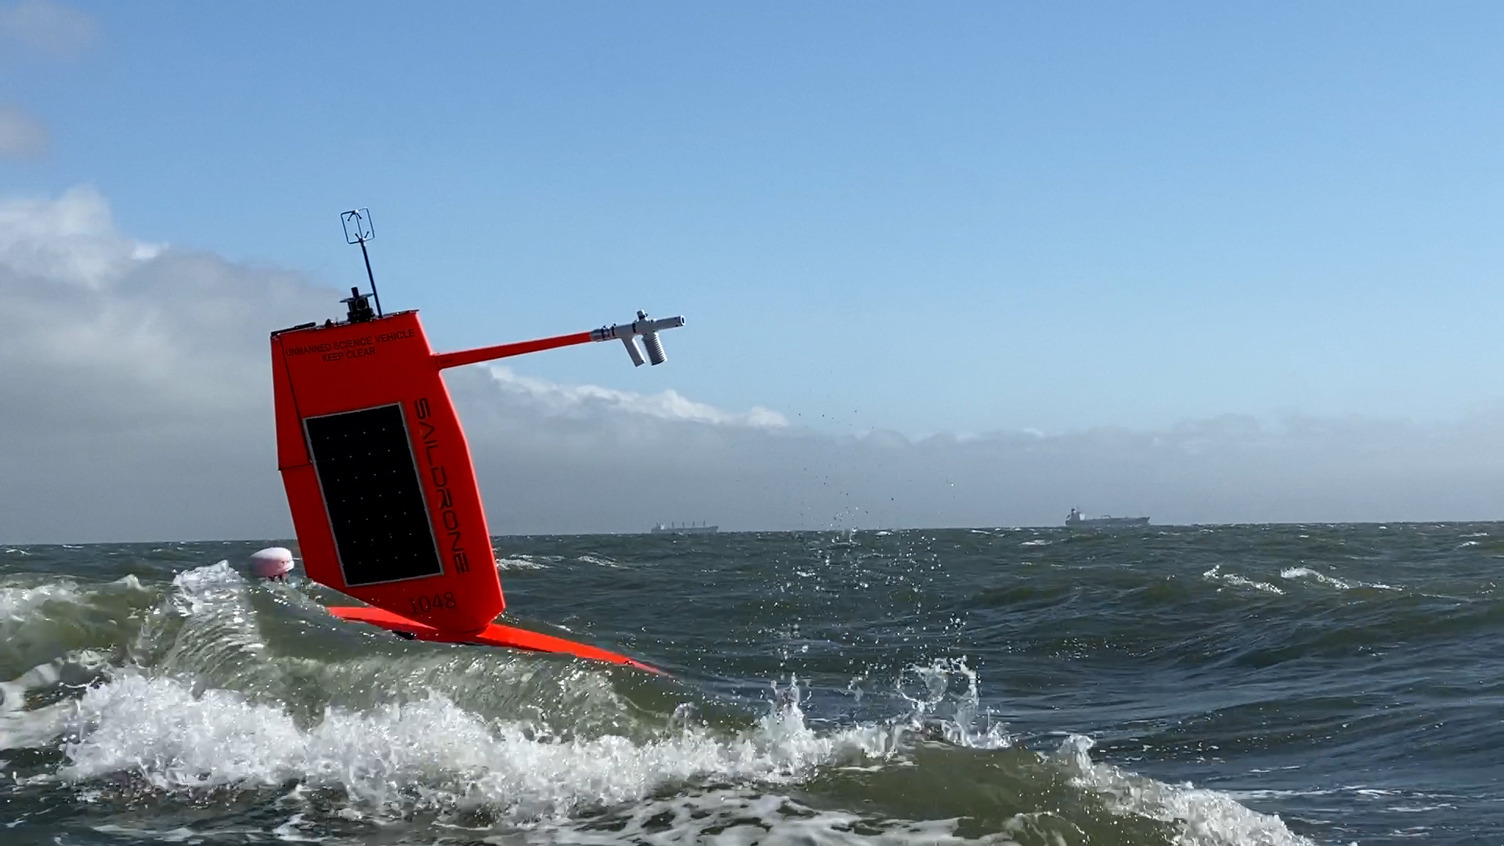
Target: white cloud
70,241
547,465
142,334
46,27
21,135
135,401
589,400
134,379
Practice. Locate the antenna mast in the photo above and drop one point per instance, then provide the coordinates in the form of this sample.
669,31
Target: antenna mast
359,230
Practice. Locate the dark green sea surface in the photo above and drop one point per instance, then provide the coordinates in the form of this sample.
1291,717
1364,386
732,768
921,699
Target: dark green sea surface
1201,685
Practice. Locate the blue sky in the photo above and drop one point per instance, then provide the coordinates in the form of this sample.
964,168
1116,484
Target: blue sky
950,219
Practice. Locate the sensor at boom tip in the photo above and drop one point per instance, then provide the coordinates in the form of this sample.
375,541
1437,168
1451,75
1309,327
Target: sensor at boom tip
644,327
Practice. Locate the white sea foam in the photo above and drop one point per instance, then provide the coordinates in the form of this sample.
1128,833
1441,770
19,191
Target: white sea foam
1215,574
181,834
203,588
748,817
520,562
1420,809
1294,573
428,753
1207,817
176,730
20,604
36,618
433,755
1314,575
214,604
948,703
21,728
599,561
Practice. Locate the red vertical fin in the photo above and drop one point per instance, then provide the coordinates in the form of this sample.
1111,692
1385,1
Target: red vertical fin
378,474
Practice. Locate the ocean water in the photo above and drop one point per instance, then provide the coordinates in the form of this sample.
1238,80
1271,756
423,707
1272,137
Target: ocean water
1166,685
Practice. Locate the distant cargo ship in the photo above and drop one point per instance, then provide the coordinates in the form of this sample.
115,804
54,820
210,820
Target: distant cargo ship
685,529
1076,520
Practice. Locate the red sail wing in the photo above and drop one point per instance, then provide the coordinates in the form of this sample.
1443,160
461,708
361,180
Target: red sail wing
378,474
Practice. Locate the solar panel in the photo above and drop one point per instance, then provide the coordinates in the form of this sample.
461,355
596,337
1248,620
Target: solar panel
369,480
